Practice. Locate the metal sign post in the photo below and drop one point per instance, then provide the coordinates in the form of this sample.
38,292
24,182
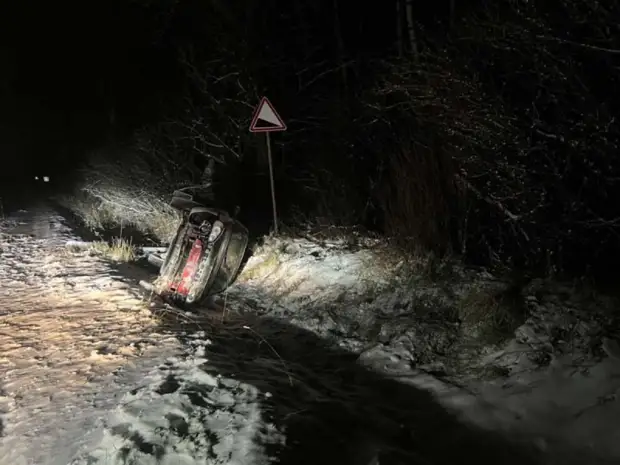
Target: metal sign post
267,120
273,187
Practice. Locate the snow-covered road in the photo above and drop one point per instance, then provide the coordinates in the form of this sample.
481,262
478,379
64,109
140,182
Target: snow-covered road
289,367
69,327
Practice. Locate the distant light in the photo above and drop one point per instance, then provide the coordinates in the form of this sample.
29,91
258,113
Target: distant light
36,178
46,179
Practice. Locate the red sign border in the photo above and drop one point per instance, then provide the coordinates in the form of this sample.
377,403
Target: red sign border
259,107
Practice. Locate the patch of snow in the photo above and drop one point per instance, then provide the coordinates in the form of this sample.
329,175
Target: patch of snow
182,415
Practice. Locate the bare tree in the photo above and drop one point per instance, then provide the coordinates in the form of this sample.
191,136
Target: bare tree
340,45
413,42
399,29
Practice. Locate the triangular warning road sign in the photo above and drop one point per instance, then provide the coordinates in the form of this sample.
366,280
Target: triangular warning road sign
266,119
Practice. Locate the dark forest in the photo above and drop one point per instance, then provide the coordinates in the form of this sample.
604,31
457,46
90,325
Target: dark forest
481,129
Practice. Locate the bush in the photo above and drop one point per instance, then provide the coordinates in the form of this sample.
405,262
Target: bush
499,142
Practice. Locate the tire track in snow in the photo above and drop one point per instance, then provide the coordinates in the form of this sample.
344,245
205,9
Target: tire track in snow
68,326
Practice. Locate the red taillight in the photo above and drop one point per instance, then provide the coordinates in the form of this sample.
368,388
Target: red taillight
183,286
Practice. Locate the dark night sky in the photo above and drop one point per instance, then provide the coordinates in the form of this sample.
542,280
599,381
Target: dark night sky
64,66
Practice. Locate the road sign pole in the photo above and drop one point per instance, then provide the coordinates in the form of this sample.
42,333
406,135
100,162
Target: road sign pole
266,113
273,187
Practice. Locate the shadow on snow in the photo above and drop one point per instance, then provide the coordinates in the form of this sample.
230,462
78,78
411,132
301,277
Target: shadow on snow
333,410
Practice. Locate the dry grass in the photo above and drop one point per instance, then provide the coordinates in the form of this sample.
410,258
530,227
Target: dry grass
491,319
130,193
87,210
266,258
119,250
102,208
261,268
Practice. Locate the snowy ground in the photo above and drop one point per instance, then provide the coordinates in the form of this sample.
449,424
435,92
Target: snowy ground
69,327
324,353
553,377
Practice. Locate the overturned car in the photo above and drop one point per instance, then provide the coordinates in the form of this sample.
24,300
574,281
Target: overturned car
206,253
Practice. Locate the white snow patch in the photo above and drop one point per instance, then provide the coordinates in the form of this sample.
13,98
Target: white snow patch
299,269
182,415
